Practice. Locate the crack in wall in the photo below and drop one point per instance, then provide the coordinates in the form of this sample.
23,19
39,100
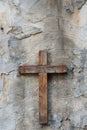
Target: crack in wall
70,6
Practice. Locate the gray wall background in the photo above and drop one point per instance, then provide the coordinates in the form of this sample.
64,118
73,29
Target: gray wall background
27,26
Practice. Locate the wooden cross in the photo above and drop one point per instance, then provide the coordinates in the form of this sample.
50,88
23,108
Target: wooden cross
42,69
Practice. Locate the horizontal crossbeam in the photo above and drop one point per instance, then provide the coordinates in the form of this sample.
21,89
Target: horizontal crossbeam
42,69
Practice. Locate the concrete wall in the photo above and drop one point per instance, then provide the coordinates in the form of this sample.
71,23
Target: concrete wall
27,26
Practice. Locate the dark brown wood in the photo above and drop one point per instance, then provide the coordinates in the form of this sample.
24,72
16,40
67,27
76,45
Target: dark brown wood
43,104
42,69
43,57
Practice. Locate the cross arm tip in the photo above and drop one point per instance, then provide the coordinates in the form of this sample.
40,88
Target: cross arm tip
21,69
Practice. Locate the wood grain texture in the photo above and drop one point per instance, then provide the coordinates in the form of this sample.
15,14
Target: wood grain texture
43,105
42,69
43,57
43,101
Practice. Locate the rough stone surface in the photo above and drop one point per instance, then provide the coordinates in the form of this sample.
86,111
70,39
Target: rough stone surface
79,118
55,121
27,26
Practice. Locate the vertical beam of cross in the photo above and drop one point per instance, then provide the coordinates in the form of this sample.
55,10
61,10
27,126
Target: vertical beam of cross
43,104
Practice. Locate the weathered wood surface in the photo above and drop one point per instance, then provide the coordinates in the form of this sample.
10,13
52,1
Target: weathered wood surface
43,102
42,69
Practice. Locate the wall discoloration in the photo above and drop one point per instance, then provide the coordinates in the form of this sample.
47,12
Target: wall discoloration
76,16
72,4
5,88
